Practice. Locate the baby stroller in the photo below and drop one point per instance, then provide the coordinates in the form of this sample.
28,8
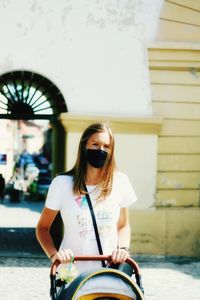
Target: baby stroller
100,284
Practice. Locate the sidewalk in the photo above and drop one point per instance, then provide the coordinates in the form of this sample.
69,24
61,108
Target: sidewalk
22,214
171,280
17,227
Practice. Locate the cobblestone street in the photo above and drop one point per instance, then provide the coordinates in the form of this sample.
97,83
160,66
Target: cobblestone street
28,278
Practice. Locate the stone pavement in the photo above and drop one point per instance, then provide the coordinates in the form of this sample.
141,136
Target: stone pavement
27,278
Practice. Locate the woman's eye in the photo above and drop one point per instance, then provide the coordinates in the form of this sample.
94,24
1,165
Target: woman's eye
95,145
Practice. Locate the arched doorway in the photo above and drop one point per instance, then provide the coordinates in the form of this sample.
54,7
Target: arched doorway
26,95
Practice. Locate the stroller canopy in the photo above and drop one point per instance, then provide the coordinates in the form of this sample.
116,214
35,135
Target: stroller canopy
101,283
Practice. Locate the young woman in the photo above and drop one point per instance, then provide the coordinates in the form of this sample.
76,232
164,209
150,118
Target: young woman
110,192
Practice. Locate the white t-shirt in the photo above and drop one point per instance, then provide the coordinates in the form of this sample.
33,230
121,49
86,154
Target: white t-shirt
79,233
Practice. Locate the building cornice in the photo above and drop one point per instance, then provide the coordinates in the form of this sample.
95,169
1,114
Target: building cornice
174,56
74,122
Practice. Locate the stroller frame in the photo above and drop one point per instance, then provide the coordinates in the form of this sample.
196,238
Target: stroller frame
78,282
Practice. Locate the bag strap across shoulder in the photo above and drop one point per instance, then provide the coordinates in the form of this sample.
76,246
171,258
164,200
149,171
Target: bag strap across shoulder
94,224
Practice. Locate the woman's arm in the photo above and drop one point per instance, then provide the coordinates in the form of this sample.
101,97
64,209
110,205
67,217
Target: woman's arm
123,227
42,231
45,240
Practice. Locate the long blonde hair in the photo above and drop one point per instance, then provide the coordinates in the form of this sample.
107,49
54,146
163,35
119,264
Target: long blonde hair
79,170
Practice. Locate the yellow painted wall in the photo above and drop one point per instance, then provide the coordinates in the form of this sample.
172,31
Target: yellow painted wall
173,228
179,21
176,97
175,86
168,232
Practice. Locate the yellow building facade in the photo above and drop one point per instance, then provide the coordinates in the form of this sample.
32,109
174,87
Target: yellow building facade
174,61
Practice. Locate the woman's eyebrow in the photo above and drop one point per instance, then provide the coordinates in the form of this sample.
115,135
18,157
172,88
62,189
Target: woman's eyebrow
99,142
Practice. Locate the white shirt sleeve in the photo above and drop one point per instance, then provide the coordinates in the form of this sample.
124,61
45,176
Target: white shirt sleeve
55,194
127,193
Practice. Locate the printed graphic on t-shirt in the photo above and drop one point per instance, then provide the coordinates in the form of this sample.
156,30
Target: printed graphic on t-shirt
81,201
103,217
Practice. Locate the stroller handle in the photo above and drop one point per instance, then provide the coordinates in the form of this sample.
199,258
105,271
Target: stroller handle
129,260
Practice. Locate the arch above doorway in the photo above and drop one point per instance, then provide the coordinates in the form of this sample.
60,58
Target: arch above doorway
28,95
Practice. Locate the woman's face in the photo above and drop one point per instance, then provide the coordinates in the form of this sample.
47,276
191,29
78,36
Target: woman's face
99,140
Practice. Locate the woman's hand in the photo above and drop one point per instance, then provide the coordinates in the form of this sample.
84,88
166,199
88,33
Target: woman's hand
119,256
64,256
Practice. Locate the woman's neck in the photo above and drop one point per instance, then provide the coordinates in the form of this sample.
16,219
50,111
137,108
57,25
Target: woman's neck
93,176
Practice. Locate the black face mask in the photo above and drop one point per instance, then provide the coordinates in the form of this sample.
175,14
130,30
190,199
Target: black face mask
96,157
